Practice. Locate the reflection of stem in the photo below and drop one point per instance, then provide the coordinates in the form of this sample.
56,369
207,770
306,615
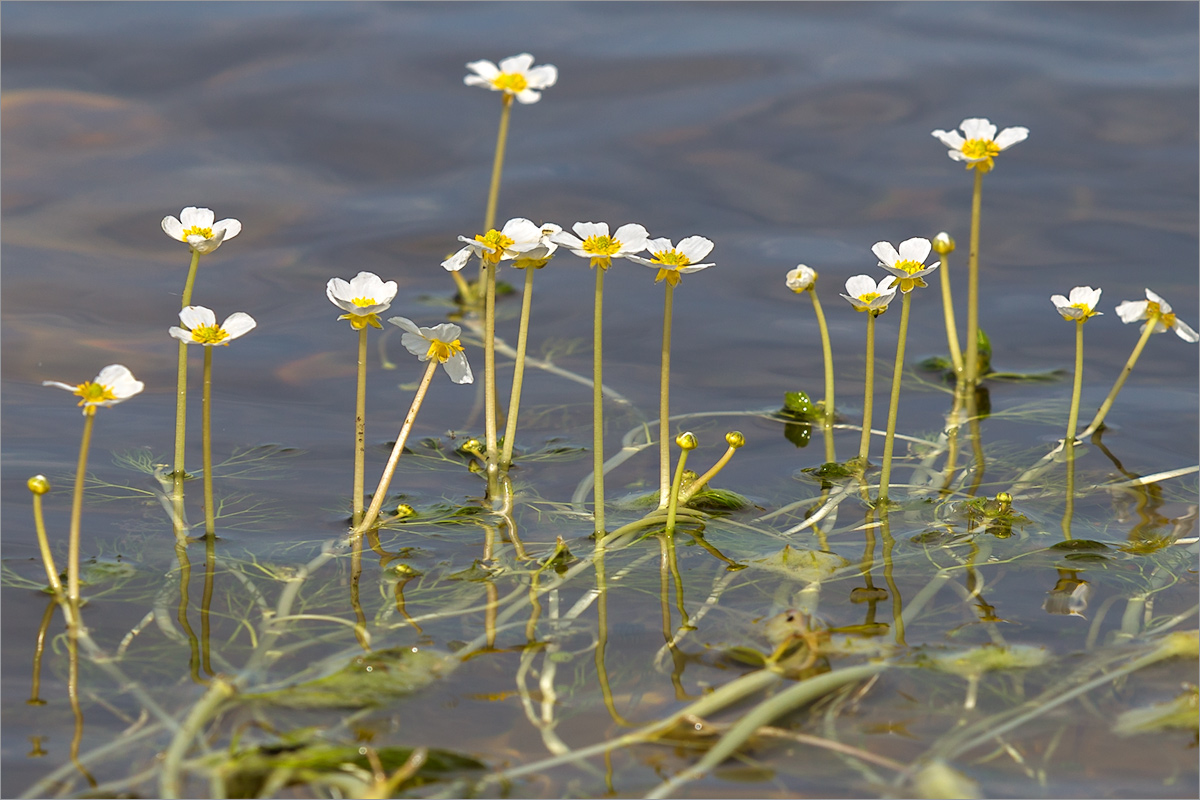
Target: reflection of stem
514,402
976,439
489,614
405,429
1151,324
210,512
360,429
864,445
73,696
185,579
827,352
952,443
77,510
35,688
181,388
598,404
897,604
664,403
210,564
360,628
972,360
400,602
894,406
602,634
673,564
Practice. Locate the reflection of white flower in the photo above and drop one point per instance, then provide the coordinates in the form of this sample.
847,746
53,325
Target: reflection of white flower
114,384
592,241
1080,306
516,75
866,295
1134,310
439,342
981,144
196,227
671,261
540,254
802,278
363,297
516,237
908,264
200,326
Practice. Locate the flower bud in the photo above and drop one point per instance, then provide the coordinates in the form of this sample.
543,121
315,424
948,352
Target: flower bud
404,510
735,439
802,278
473,446
687,441
38,484
943,244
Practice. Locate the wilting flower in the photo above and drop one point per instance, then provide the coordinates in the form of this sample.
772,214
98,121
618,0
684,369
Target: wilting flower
866,295
802,278
981,144
114,384
539,255
196,227
908,265
592,241
439,342
672,262
363,298
516,75
1134,310
516,237
201,326
1081,305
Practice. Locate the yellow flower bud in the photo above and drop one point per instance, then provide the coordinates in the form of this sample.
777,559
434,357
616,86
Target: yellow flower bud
735,439
687,441
404,510
38,484
943,244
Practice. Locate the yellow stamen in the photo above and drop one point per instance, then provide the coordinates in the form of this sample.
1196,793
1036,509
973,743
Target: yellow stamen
1166,320
495,240
602,249
510,82
672,257
909,266
443,351
93,393
671,276
363,301
196,230
981,152
209,334
360,321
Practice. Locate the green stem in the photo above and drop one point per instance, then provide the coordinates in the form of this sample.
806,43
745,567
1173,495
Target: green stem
39,523
972,360
1151,323
827,352
489,380
181,385
210,510
703,480
360,429
948,310
598,404
390,469
673,503
77,510
1073,417
489,218
514,401
664,404
893,408
864,445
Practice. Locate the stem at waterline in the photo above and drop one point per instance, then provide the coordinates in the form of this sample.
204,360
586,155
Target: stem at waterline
360,429
210,512
673,504
894,406
89,416
598,403
1151,323
389,470
864,445
972,359
514,401
664,405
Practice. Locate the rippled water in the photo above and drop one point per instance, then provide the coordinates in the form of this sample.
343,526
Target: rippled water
342,136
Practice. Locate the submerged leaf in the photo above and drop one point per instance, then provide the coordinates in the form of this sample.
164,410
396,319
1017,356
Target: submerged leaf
987,658
802,565
372,679
1181,713
938,780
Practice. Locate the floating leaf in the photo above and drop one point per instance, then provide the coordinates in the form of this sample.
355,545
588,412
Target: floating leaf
372,679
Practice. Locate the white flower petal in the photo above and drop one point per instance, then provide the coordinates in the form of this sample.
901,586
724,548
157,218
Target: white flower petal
1010,136
203,246
694,247
690,268
1059,301
633,238
238,324
951,139
193,217
518,63
405,324
978,128
458,369
229,228
181,334
1162,304
542,77
886,254
484,69
526,97
457,261
60,385
444,332
586,230
120,381
1132,310
858,285
915,249
194,317
801,278
1184,331
173,228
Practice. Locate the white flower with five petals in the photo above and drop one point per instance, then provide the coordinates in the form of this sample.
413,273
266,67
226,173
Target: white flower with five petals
539,255
114,384
196,227
592,241
907,264
866,295
200,326
1080,306
1134,310
363,298
980,145
671,261
518,236
516,76
439,342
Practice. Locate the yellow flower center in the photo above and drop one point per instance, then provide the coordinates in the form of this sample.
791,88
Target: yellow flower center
981,152
196,230
363,301
1153,308
510,82
93,393
909,266
209,334
496,240
602,249
671,258
868,297
443,351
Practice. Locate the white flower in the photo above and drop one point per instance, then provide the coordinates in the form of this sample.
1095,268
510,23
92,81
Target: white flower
981,144
439,342
672,261
201,326
196,227
908,265
539,255
1081,305
517,236
1134,310
114,384
363,298
866,295
802,278
516,75
592,241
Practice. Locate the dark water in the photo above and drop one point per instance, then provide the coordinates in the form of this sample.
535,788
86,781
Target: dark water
342,137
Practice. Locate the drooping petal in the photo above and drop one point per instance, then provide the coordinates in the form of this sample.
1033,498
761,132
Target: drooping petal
195,316
694,247
457,261
443,332
1185,332
238,323
458,369
202,245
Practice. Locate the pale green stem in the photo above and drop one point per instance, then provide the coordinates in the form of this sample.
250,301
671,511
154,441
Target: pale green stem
948,309
703,480
1073,417
972,360
89,417
360,429
598,403
889,544
489,218
827,352
1151,323
170,783
1069,510
664,404
390,468
673,505
210,510
514,401
39,523
864,446
489,380
893,408
602,635
181,385
206,598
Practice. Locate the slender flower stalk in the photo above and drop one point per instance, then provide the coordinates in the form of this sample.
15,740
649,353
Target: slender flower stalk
894,404
866,295
687,443
592,241
114,384
943,245
971,362
38,486
804,279
1078,308
735,440
671,263
1159,319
